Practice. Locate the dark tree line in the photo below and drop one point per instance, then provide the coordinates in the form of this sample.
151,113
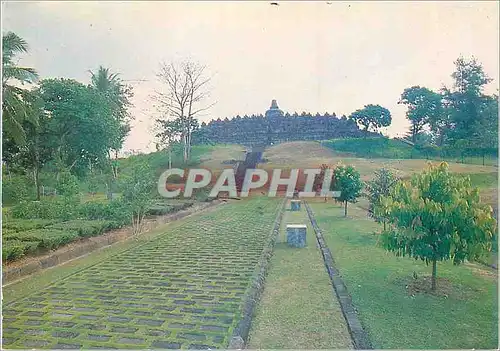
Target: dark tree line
60,125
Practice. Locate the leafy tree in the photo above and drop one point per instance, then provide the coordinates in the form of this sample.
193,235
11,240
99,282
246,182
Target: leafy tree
346,179
81,127
380,186
118,95
424,105
15,100
437,216
464,102
138,186
372,116
485,136
36,151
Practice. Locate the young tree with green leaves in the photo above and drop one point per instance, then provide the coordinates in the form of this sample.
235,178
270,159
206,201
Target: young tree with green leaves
138,189
372,116
168,132
437,216
347,180
381,185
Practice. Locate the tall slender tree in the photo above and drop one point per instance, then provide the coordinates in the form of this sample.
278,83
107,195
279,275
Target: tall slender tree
118,95
184,97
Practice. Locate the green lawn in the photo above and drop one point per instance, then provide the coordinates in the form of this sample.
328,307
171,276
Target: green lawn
298,309
484,180
463,314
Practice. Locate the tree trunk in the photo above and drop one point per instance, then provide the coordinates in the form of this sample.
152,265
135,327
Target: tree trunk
483,157
170,157
37,183
434,273
345,209
384,226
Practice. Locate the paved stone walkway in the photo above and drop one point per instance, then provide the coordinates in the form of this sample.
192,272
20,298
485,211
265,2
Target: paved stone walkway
183,289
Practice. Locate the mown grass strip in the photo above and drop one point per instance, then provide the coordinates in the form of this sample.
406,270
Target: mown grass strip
359,336
298,309
463,315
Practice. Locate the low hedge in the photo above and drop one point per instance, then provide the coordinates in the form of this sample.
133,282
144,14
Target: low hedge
15,249
85,228
116,211
162,208
21,225
46,238
60,209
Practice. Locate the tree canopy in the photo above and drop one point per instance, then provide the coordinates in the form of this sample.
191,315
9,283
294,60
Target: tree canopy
437,216
372,116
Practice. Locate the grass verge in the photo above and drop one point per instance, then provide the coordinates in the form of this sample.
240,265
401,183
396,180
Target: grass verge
298,308
393,306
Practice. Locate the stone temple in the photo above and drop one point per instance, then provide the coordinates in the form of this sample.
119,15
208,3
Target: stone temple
277,126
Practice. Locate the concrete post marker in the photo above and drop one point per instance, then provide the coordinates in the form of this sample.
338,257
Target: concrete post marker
296,235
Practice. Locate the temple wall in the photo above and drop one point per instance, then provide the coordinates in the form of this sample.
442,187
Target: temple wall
258,130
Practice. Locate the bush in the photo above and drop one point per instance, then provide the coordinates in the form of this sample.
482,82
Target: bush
14,249
162,208
62,209
21,225
116,211
46,238
17,188
85,228
67,185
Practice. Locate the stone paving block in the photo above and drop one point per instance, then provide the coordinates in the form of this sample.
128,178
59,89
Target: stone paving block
165,345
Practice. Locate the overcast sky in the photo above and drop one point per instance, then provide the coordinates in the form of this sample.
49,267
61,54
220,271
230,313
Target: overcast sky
310,56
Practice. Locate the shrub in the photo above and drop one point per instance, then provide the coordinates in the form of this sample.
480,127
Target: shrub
138,190
14,249
46,238
162,208
17,188
67,185
116,211
62,209
85,228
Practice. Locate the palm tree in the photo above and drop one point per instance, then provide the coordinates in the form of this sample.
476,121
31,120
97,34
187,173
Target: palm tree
104,81
16,101
111,86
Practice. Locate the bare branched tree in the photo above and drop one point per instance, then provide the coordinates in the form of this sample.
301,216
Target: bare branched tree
184,97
